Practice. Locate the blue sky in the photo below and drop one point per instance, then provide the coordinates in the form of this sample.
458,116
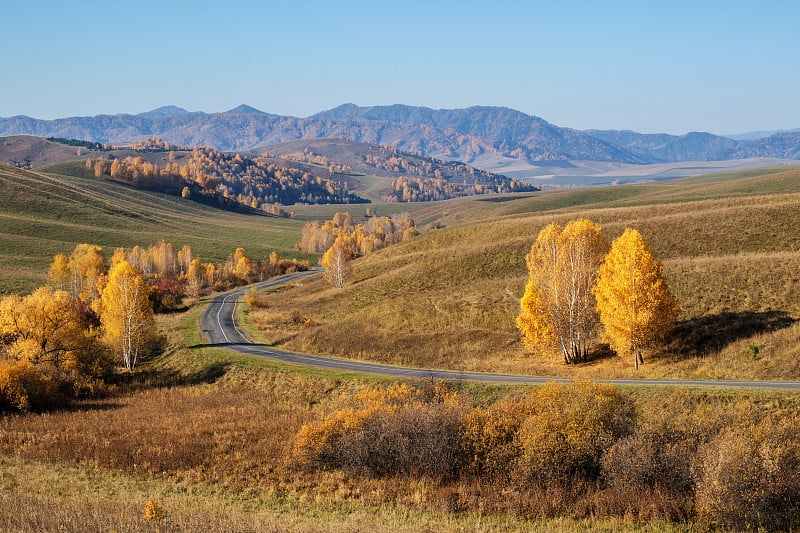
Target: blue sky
677,66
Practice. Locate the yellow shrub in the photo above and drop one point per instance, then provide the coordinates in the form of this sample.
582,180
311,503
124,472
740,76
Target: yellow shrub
24,386
570,427
489,441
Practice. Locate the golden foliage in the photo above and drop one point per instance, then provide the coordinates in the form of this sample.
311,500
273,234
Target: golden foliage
153,511
633,300
336,262
43,326
558,304
86,266
361,239
127,316
24,386
569,428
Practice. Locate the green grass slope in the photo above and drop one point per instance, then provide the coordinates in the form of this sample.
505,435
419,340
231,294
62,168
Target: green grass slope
45,214
449,297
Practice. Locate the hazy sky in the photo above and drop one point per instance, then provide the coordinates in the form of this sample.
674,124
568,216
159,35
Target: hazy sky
674,66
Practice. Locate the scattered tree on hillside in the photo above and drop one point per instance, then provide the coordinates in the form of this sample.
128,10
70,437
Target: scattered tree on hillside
361,239
635,306
558,304
127,315
336,262
210,175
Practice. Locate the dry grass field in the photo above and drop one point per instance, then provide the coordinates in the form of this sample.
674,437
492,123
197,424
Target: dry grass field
448,298
42,215
200,439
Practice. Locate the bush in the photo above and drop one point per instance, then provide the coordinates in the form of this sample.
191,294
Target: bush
569,428
749,478
255,299
400,430
25,387
489,442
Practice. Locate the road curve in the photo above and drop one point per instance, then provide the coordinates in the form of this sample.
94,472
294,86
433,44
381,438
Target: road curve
219,326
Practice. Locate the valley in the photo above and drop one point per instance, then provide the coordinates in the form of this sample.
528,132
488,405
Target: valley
198,427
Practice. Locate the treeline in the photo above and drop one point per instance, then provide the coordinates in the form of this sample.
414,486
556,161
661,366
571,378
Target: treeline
63,341
156,144
578,450
432,179
211,174
363,238
410,189
309,156
103,147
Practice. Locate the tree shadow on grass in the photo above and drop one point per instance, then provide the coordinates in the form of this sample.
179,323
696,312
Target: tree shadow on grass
704,335
164,378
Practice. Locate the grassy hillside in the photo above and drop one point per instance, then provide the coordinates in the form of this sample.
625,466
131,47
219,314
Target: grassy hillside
449,297
45,214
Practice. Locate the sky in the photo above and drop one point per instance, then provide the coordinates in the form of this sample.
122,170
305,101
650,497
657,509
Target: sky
676,66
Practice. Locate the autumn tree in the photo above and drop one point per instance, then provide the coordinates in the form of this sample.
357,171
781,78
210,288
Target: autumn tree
127,316
194,279
58,277
558,305
43,326
635,306
336,262
86,263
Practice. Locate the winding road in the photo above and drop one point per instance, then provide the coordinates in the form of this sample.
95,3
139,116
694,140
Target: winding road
220,328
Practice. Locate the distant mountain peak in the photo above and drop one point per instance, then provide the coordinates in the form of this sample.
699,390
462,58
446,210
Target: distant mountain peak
245,109
167,111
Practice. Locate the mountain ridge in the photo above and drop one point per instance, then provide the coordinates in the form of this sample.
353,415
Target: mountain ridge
464,134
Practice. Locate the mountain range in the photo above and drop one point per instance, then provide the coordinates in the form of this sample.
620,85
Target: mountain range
464,134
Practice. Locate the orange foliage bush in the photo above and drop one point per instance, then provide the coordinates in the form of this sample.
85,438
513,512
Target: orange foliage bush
23,387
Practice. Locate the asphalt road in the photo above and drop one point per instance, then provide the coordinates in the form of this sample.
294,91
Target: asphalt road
220,328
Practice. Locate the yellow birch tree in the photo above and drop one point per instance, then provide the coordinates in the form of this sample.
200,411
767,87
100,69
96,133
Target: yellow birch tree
86,266
127,315
635,306
558,305
336,262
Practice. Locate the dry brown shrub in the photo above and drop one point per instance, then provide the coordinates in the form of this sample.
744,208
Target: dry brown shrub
749,477
399,430
255,299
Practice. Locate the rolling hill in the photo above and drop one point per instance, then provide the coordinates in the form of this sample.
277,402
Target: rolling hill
464,134
448,298
45,214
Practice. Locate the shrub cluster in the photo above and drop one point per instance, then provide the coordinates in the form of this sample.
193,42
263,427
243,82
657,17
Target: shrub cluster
400,430
580,449
556,433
